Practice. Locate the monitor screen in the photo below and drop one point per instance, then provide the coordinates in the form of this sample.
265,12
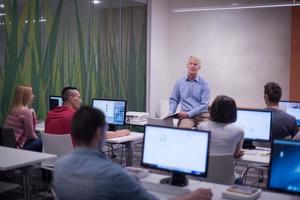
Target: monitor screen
176,150
256,124
55,101
114,110
284,172
292,108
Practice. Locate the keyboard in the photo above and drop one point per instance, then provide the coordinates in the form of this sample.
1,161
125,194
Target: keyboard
169,190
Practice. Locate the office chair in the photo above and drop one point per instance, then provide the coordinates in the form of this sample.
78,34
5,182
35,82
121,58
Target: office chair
8,138
56,144
220,169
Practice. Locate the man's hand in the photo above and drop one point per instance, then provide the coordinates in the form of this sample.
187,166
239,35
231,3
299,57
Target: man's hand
123,132
183,115
239,154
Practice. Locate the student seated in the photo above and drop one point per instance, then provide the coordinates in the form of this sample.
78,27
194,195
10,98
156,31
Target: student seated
87,174
22,119
226,138
283,124
59,119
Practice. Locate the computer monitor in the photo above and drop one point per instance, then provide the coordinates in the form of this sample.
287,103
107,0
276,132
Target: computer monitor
292,108
114,110
256,124
55,101
284,174
181,151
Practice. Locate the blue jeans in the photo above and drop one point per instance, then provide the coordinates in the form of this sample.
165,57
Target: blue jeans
33,145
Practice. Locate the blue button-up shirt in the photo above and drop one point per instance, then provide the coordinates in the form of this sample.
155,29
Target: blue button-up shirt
193,95
87,174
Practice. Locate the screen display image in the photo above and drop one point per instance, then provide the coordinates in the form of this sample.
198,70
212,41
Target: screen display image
292,108
284,174
256,124
114,110
55,101
177,150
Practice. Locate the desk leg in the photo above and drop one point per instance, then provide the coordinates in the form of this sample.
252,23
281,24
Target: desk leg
129,153
27,171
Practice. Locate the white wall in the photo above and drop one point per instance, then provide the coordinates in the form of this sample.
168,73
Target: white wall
240,50
158,55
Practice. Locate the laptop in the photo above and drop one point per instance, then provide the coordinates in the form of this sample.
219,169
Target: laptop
167,122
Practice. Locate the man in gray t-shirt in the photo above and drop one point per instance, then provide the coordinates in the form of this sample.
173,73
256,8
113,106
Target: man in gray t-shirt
283,124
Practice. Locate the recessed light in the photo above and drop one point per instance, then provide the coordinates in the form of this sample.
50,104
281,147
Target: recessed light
96,1
1,5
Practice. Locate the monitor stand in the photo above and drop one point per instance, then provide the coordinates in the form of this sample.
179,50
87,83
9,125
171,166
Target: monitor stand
248,145
111,127
178,179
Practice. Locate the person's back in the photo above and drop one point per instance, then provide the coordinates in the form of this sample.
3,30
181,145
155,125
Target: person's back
23,124
22,119
94,177
87,174
283,124
224,137
59,120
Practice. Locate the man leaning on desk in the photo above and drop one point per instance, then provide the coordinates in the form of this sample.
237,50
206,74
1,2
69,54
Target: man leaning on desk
59,119
87,174
193,93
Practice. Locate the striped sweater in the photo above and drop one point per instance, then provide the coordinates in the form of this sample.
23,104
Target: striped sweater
23,123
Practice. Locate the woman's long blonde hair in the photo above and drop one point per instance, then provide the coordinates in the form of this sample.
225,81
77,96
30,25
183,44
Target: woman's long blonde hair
22,97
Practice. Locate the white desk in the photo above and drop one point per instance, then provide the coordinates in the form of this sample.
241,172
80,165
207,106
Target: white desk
40,126
217,189
256,156
127,141
21,159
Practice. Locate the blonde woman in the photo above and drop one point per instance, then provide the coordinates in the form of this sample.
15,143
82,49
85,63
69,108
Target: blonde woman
22,119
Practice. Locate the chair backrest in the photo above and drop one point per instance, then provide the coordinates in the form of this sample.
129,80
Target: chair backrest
221,169
57,144
8,138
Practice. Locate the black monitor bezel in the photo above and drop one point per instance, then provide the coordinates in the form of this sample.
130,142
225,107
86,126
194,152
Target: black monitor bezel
270,169
49,98
259,110
121,100
146,165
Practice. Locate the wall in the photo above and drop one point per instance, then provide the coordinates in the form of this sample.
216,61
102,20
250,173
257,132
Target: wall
295,56
240,50
101,49
158,63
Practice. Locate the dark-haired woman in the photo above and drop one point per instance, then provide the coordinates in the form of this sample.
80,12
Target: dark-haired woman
226,138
